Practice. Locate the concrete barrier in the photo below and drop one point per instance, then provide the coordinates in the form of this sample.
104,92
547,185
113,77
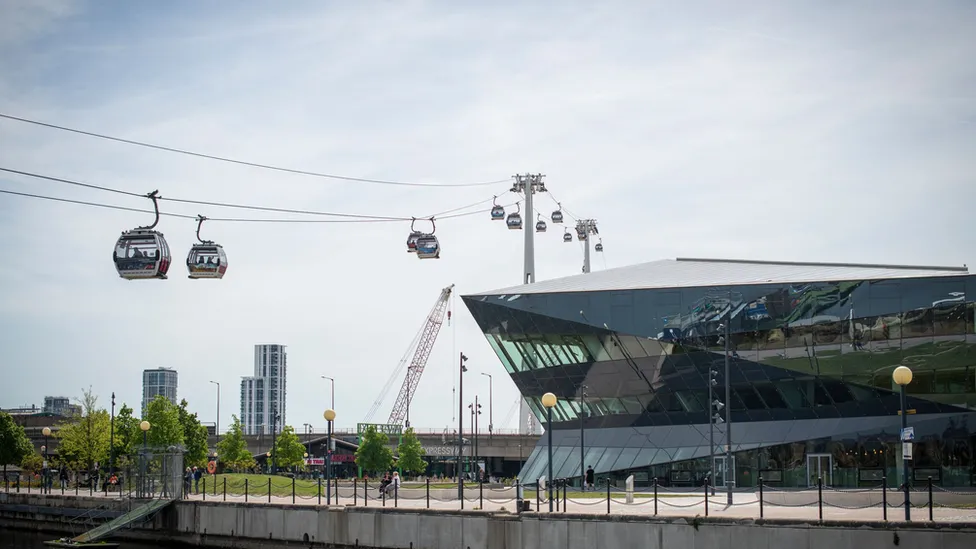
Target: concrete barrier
265,526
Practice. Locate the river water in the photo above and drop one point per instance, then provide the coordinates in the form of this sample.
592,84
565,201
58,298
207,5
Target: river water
18,539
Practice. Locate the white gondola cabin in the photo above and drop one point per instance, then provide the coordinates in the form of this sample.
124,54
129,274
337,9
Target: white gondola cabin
428,247
206,260
141,254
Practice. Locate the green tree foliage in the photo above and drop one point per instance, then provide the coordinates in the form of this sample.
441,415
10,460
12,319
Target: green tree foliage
194,437
289,451
127,436
232,449
14,444
32,462
373,454
411,454
84,440
164,420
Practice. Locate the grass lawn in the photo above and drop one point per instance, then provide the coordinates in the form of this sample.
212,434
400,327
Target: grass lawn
257,486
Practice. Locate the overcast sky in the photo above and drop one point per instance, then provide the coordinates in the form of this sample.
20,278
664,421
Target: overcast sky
819,131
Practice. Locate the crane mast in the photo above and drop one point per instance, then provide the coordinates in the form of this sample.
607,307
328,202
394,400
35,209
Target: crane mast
425,344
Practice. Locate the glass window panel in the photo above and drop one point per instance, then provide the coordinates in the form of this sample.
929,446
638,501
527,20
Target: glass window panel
567,410
769,395
838,391
646,456
501,354
689,401
568,467
614,406
532,360
632,405
515,357
632,345
750,398
608,459
795,398
626,459
593,455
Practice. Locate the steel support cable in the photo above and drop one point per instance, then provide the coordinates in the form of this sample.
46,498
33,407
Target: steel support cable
245,162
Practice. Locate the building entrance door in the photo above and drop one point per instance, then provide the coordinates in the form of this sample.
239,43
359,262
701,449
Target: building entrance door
819,466
720,470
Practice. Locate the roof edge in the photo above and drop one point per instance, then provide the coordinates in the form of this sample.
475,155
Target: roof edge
963,269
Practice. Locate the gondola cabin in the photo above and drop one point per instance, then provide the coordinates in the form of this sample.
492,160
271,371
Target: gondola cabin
540,226
514,221
206,260
497,213
557,216
412,241
428,247
141,254
599,246
567,237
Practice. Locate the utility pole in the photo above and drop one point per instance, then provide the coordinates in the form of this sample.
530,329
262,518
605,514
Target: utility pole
582,453
729,467
714,407
529,184
491,406
460,474
584,228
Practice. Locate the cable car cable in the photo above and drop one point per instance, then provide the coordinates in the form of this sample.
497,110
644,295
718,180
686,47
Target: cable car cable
229,205
227,219
247,163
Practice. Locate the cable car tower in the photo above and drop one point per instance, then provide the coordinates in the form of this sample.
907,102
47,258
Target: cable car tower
422,345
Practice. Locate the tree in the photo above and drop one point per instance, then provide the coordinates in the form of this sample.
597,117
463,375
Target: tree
84,439
164,423
32,462
289,450
411,454
194,437
232,449
127,435
14,444
374,455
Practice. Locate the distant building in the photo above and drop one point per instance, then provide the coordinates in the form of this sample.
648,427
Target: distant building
263,394
60,406
158,381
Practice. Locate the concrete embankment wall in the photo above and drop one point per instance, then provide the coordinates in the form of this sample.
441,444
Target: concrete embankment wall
246,526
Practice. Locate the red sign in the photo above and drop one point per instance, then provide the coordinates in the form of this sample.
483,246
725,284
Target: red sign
314,461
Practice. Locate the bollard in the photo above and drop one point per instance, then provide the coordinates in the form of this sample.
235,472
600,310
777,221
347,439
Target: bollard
396,496
319,491
555,483
884,498
931,518
538,489
215,486
365,492
706,496
245,490
269,489
293,490
820,497
225,488
481,495
655,496
564,496
383,497
428,492
204,488
608,497
760,497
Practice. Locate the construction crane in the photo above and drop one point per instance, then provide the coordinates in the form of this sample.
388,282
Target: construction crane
422,345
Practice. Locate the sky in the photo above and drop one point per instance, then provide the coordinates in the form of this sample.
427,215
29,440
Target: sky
793,131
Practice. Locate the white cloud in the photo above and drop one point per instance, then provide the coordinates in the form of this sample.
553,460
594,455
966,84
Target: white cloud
774,131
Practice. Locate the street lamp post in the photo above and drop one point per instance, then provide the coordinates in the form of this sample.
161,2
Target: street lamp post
491,406
329,416
144,426
46,432
332,381
111,440
460,474
217,426
582,453
902,376
549,400
274,441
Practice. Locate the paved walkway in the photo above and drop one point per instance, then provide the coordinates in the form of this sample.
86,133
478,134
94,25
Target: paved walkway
745,505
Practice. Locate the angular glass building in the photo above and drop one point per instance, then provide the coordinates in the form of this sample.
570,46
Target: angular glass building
809,349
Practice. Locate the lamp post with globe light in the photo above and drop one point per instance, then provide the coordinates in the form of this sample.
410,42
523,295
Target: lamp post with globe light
549,401
329,416
902,376
46,468
144,426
